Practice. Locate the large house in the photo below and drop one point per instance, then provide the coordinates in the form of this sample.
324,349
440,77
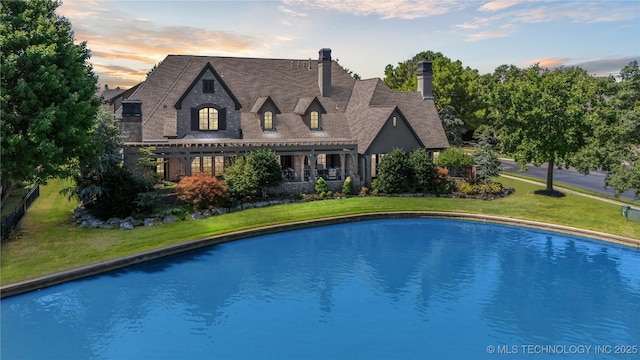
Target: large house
199,112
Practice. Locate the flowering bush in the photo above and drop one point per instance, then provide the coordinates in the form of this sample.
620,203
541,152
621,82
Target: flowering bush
202,191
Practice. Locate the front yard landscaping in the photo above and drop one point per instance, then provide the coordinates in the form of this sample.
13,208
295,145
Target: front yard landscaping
47,240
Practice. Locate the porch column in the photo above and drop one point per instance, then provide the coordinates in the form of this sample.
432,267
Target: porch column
367,169
343,159
298,166
312,166
186,161
353,165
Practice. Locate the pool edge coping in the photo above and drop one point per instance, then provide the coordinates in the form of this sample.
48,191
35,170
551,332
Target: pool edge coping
37,283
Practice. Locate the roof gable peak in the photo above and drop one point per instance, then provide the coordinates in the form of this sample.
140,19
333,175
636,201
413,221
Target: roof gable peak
208,67
305,103
261,102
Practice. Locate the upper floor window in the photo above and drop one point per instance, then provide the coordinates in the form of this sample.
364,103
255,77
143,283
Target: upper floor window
268,120
208,119
131,108
207,86
394,121
315,120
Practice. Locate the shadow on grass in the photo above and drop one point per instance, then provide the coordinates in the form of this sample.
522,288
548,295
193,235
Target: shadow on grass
550,193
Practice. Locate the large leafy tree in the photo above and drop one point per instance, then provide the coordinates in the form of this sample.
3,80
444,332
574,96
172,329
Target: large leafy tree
454,85
615,144
47,91
266,166
540,114
257,170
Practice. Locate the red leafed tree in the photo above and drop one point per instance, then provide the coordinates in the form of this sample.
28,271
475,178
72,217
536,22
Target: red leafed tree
202,190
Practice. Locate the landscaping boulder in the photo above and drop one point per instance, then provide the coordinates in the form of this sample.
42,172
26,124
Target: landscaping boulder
152,221
126,225
95,223
169,219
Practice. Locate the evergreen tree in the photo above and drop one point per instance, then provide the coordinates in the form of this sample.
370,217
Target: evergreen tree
485,158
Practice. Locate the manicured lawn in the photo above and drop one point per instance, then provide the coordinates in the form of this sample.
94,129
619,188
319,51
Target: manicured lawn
47,242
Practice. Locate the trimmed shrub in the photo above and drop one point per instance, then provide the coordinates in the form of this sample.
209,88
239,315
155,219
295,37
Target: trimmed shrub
347,186
321,187
240,179
394,173
423,171
455,160
202,191
488,189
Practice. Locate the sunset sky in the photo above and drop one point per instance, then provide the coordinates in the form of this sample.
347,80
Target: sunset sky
127,37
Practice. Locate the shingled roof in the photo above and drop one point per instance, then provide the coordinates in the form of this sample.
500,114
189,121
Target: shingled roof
354,111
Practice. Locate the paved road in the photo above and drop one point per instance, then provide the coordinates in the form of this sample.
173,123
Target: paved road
592,182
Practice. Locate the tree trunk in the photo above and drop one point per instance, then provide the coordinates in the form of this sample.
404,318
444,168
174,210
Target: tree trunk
550,176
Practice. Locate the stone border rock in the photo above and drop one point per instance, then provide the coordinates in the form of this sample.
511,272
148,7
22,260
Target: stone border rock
83,219
74,274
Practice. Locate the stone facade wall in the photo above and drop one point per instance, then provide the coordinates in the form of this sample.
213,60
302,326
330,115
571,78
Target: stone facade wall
196,98
308,187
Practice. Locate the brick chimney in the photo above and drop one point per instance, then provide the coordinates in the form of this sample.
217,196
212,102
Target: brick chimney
324,72
425,79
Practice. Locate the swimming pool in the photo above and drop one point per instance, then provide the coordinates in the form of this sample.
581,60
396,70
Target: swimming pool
378,289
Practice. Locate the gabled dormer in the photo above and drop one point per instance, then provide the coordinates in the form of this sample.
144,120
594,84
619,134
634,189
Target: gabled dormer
311,112
207,81
208,108
266,111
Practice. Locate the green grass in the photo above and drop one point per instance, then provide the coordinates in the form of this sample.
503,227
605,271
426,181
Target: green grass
574,188
10,203
46,241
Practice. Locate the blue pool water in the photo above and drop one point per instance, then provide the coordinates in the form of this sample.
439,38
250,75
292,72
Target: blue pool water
380,289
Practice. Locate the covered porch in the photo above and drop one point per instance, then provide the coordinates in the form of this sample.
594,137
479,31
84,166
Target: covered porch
301,161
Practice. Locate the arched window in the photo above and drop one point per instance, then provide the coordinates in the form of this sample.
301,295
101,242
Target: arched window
315,120
208,119
268,120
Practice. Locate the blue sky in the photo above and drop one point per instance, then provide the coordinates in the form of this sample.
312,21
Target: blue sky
127,37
